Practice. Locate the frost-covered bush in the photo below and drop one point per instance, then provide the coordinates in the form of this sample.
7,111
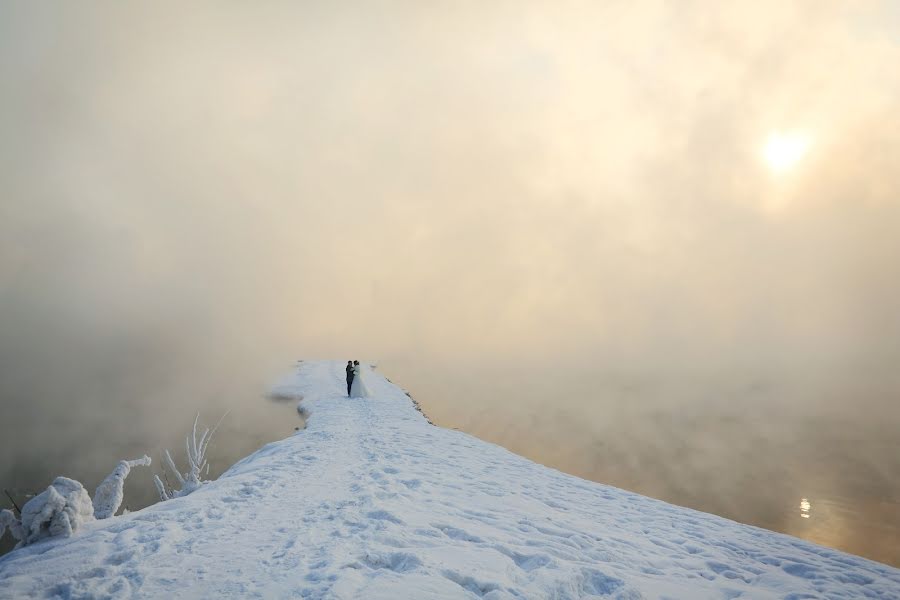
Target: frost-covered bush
65,506
57,511
191,480
9,520
108,495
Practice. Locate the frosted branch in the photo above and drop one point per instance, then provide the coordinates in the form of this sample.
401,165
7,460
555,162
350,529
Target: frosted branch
174,469
108,495
161,489
195,450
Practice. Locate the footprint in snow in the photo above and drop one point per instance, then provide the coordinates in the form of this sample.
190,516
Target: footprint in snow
801,570
467,582
598,583
383,515
526,562
400,562
455,533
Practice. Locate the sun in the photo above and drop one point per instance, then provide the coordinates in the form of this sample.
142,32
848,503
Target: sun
783,150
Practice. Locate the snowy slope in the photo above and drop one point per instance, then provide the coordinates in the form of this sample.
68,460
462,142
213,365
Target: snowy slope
372,502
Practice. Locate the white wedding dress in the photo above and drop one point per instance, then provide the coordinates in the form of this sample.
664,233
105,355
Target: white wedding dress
358,388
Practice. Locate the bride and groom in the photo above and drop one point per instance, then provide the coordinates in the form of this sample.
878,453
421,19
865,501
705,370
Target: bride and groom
356,387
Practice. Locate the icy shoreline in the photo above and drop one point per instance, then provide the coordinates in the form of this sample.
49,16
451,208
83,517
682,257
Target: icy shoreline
370,501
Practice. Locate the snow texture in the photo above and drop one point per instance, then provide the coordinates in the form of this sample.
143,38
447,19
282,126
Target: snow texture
60,510
108,495
370,501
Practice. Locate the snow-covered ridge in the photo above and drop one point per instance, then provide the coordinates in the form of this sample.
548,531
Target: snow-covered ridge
370,501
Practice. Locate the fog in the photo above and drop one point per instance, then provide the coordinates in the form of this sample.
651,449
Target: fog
551,222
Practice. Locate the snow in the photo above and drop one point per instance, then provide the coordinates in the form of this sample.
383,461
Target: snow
109,494
370,501
9,520
60,510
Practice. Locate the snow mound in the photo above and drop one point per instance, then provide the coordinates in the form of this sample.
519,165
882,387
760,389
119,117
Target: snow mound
370,501
57,511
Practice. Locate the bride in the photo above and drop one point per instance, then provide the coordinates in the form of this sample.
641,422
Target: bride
358,388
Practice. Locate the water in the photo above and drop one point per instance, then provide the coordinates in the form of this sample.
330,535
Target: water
861,526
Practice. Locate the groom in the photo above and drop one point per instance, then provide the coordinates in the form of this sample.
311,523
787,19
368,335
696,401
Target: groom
349,376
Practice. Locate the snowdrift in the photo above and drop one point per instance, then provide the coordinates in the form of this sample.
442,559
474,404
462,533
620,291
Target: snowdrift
371,501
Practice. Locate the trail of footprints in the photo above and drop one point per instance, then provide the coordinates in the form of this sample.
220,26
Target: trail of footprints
387,540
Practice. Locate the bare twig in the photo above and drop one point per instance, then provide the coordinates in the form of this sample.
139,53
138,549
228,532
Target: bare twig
18,510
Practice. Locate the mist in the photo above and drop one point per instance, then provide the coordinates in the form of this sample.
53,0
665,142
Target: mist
551,222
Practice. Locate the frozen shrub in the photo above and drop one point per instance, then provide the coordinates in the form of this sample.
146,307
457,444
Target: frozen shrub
57,511
9,520
197,464
108,495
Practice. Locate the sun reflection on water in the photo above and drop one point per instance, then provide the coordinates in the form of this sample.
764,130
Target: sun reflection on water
805,507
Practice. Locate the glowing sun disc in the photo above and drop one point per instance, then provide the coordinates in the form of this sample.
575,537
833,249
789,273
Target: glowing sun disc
784,150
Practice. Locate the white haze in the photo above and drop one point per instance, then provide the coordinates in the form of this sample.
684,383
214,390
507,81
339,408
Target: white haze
551,221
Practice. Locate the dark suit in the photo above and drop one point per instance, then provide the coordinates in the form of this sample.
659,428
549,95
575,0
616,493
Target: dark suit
349,377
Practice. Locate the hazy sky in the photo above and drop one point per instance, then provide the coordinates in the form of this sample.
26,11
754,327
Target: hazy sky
536,213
